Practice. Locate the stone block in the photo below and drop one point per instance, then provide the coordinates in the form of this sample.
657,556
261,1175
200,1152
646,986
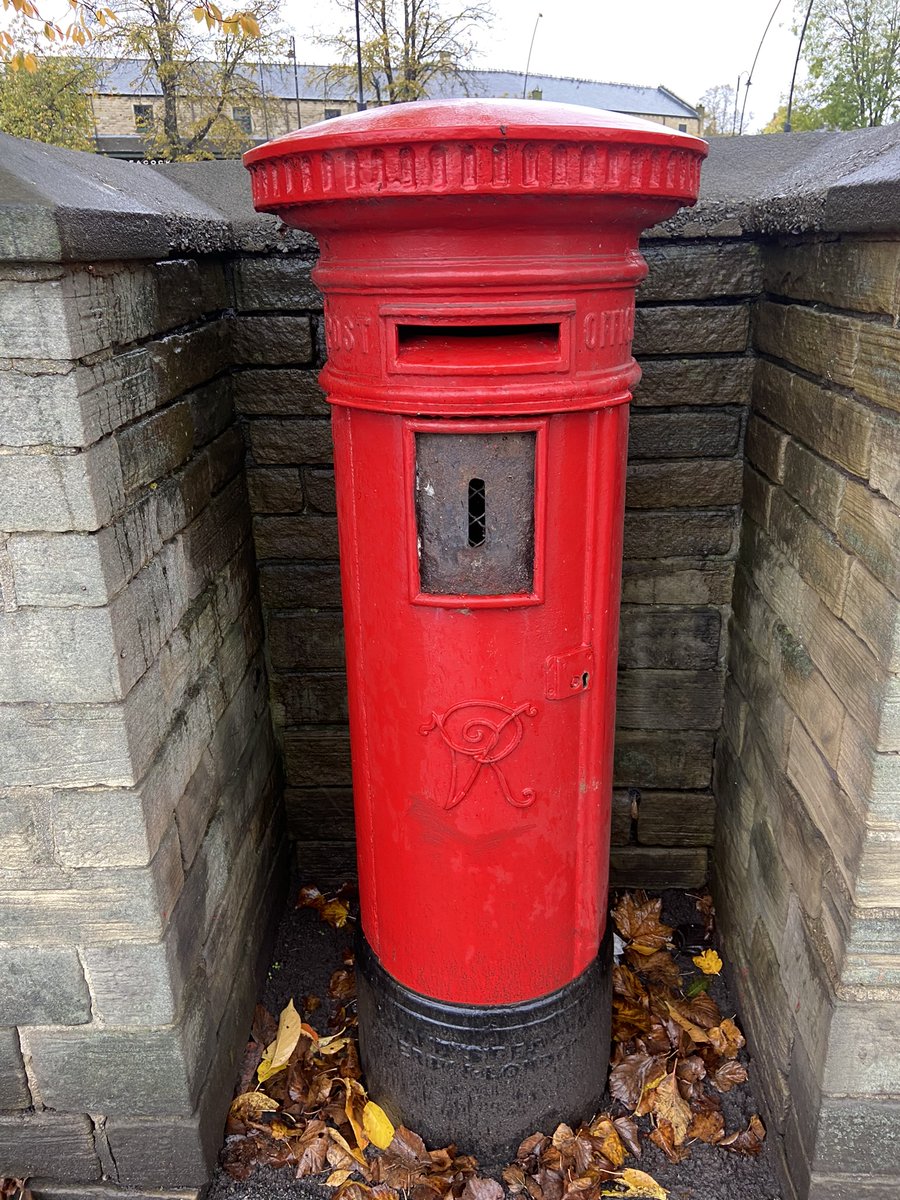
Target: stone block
766,1019
863,1055
138,1072
58,492
275,282
156,445
663,759
300,584
58,906
61,570
137,984
669,640
871,778
856,1186
704,483
878,879
654,581
646,867
850,273
806,691
66,745
279,392
309,641
25,837
317,810
862,355
274,341
833,813
289,442
47,1189
327,864
691,329
317,757
14,1092
58,1145
817,556
649,699
765,447
318,488
59,655
319,699
701,433
97,827
42,985
808,989
884,471
701,272
676,818
683,534
275,489
815,485
757,497
311,536
692,382
834,426
870,527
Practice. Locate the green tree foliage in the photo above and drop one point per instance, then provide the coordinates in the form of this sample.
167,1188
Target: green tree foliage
202,69
51,102
852,50
406,44
804,117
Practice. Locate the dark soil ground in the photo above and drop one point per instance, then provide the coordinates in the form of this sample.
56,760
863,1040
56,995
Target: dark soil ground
306,953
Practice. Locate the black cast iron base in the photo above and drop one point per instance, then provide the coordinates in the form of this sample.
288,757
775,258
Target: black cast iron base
485,1077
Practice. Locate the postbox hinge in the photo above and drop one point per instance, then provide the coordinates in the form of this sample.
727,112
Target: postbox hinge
569,674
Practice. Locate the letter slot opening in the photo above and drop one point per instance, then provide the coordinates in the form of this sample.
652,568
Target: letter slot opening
475,513
482,348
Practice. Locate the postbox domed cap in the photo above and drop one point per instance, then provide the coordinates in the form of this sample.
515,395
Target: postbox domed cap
488,147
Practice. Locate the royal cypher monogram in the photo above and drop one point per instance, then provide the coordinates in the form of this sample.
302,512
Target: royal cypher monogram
483,733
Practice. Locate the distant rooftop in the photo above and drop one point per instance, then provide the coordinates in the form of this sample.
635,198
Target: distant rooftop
317,81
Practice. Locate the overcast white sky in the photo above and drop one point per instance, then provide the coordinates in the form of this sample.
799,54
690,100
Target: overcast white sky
687,46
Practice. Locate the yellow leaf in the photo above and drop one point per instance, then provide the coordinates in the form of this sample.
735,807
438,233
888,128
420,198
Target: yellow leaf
338,1178
249,1105
249,25
639,1183
335,912
340,1140
708,962
377,1125
354,1103
698,1034
278,1054
670,1106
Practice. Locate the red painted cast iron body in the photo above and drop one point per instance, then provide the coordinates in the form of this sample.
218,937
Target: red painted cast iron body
479,262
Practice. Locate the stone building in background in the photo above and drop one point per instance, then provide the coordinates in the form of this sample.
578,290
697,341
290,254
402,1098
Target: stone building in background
128,99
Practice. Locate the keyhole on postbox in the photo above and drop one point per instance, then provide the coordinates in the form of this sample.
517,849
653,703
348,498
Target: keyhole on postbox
477,512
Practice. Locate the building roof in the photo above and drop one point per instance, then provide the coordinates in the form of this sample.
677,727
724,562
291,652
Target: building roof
321,82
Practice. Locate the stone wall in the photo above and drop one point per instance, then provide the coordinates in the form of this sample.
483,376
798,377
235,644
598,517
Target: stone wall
139,832
808,775
156,337
692,336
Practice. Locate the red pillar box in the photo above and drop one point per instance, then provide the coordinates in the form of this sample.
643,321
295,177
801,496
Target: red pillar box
479,261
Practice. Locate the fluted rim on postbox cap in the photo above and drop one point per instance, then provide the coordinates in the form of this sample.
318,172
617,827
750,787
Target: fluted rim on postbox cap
476,147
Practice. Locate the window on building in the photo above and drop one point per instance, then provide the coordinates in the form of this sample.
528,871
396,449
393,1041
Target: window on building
143,116
242,118
683,128
332,112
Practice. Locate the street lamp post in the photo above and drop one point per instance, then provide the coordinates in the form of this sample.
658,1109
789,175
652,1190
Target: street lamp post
360,94
528,61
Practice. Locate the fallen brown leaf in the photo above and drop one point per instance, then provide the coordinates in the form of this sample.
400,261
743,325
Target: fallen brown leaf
746,1141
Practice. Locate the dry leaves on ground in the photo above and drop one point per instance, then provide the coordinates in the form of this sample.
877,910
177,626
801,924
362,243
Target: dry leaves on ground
673,1051
301,1102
